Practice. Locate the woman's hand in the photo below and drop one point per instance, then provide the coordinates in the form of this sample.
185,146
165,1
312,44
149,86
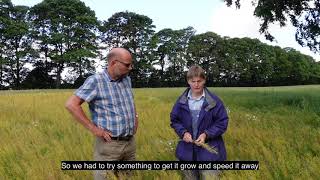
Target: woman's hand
201,139
187,137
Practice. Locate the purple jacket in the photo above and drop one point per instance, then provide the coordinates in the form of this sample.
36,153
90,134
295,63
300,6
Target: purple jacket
213,120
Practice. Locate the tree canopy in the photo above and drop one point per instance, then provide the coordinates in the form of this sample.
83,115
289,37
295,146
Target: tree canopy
304,15
65,30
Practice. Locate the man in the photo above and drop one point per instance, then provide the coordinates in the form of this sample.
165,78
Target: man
198,117
114,118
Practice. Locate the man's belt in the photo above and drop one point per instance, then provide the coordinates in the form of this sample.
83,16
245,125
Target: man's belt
122,138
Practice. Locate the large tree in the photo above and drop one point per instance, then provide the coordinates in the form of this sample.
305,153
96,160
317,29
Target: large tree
66,33
301,66
16,41
282,68
5,7
303,14
251,61
206,50
132,31
170,54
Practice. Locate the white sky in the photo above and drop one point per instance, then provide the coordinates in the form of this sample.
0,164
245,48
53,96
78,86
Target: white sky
204,15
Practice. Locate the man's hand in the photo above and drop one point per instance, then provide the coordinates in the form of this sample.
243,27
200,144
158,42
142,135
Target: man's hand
99,132
187,137
201,139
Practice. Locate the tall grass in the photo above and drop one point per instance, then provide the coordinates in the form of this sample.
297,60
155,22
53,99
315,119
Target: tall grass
278,126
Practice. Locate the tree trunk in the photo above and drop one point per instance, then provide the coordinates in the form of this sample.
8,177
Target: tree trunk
18,74
18,65
58,76
80,68
1,69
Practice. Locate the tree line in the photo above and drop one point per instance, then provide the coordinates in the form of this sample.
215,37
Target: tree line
39,43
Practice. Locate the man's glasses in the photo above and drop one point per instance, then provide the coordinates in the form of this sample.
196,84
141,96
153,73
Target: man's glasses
128,65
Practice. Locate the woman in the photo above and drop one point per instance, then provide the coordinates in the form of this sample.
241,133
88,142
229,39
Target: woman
198,117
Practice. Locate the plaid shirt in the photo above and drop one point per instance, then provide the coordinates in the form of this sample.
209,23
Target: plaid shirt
110,103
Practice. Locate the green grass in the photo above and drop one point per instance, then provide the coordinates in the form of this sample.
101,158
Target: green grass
278,126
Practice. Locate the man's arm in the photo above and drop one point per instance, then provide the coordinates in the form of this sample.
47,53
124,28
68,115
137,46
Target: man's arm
73,105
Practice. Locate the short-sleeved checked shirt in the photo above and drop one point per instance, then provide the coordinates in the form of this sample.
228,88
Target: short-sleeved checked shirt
110,103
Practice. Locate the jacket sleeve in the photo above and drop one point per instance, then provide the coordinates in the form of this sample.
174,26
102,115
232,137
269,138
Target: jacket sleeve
176,122
220,118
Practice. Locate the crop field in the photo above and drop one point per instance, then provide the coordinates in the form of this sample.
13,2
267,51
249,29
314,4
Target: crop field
277,126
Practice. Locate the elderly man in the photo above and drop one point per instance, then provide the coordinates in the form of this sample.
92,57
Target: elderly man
114,118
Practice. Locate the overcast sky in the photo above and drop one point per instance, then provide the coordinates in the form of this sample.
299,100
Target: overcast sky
204,15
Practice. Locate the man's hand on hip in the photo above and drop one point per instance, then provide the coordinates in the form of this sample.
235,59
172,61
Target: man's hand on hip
99,132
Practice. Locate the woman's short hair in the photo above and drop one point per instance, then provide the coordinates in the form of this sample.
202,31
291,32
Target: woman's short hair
196,71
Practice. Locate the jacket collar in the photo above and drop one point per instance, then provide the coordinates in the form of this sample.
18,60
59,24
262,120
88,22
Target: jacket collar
209,102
